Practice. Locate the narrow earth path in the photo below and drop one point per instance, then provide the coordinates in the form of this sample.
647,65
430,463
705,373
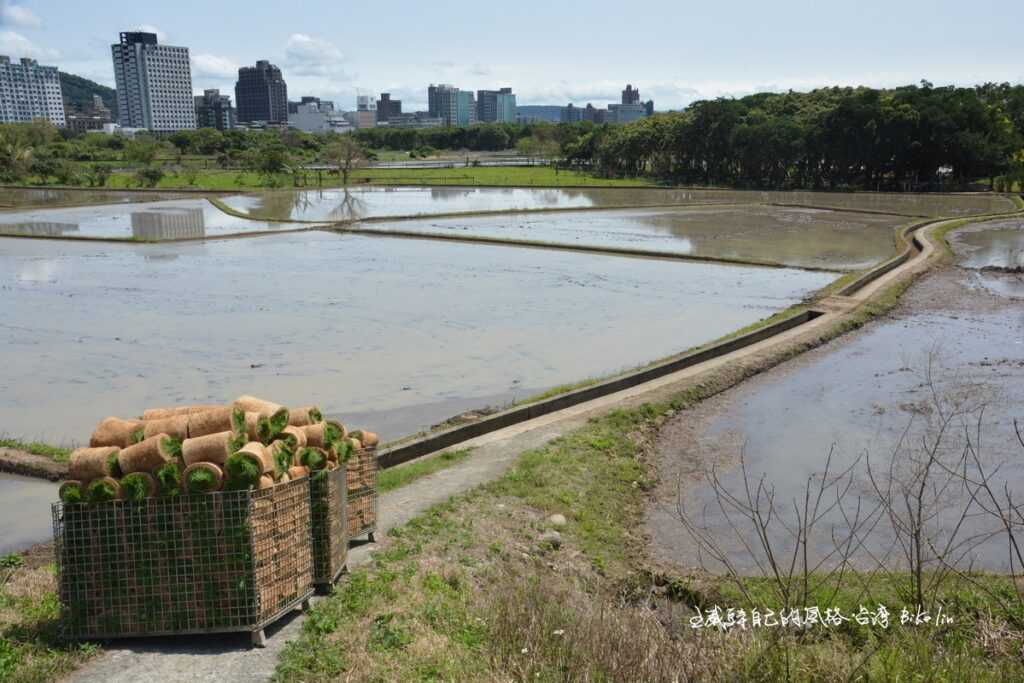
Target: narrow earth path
229,658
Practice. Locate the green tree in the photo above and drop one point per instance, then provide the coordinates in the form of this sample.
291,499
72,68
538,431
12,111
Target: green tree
346,155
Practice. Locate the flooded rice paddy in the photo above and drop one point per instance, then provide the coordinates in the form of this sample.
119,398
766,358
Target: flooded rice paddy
25,198
26,511
377,202
999,244
810,238
862,395
352,323
143,221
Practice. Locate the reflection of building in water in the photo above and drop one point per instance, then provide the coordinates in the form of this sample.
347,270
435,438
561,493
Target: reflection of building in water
39,229
168,224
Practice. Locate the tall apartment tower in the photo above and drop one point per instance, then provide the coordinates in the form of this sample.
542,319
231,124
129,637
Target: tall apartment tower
261,94
214,110
496,106
154,84
387,107
630,96
29,91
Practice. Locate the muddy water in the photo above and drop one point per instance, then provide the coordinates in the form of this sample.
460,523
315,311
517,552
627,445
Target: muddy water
25,503
997,244
338,205
354,324
147,221
792,236
860,396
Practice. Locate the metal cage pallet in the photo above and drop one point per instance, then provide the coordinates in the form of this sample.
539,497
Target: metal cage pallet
327,495
217,562
363,502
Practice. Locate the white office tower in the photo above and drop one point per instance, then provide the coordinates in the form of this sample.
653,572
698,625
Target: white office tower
154,84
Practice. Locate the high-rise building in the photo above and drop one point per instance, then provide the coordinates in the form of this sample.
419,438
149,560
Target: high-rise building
214,110
630,96
29,91
465,111
387,107
649,107
261,94
571,114
496,106
154,84
626,113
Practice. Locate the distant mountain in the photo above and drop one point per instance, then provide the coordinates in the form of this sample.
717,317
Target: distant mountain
78,92
541,112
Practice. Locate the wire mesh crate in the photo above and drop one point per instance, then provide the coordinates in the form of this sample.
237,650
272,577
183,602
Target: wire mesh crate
327,516
363,502
217,562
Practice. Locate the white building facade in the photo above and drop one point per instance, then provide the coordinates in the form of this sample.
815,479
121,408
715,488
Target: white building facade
29,91
154,84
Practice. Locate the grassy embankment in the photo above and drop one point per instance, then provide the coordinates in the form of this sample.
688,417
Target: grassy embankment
58,453
532,176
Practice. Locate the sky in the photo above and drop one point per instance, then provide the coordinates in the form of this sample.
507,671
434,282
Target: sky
551,52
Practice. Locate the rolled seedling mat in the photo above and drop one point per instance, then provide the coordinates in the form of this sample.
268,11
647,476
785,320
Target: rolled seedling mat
266,482
210,421
202,477
343,450
138,486
242,471
259,451
367,438
355,443
176,426
103,489
246,427
334,432
213,448
297,472
251,404
312,458
294,436
161,413
268,428
283,455
168,479
147,456
315,434
304,415
87,464
113,431
72,491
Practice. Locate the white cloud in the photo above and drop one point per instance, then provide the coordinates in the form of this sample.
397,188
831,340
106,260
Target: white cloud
15,45
213,66
305,55
18,16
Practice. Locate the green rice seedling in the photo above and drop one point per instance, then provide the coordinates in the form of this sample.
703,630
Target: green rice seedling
268,428
313,458
344,449
242,471
315,415
115,466
71,492
201,480
333,433
168,479
102,490
172,445
139,435
136,486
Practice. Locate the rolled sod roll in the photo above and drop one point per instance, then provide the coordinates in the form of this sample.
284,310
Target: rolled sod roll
138,486
251,404
213,448
313,458
87,464
176,426
283,455
168,479
297,472
304,415
356,444
334,432
315,434
265,482
202,477
284,479
103,489
146,456
209,421
160,413
259,452
368,439
267,428
242,471
71,491
113,431
343,450
295,437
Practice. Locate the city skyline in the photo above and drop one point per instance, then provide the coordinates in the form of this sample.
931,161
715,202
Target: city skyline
733,53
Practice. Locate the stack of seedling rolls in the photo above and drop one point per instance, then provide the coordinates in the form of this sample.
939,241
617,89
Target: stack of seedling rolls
250,444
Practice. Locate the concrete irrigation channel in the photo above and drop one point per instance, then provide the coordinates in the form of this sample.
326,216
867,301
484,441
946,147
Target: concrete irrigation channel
497,441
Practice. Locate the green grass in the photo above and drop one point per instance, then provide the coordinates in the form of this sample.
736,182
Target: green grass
403,475
58,453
